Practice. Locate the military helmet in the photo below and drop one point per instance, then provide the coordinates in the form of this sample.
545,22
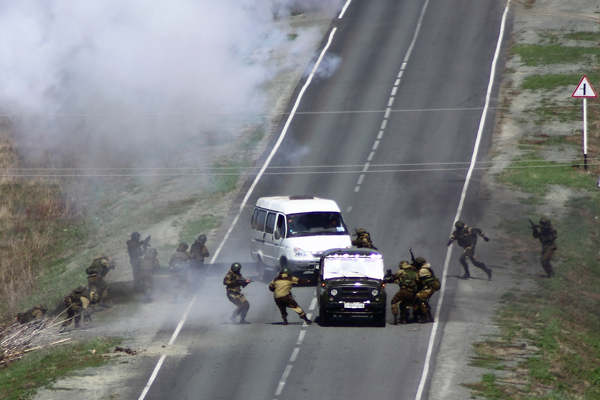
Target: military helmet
286,270
202,239
153,252
403,264
135,236
235,267
98,256
360,231
183,246
420,261
459,224
544,221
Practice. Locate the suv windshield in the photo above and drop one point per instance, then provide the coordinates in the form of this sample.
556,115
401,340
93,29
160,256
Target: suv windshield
315,223
353,266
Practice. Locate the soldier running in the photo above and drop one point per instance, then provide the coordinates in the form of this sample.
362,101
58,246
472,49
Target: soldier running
136,251
234,282
77,303
149,266
407,279
281,287
467,239
179,264
547,236
96,273
428,285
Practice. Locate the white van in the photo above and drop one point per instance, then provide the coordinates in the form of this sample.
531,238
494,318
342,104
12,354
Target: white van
294,231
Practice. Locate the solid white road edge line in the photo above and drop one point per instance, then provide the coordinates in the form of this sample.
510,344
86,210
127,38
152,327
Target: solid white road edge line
462,200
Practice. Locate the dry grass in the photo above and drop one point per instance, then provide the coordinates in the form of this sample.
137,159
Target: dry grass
33,218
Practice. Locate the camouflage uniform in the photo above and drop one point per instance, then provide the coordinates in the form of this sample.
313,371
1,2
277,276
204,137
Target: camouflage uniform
281,287
234,282
136,251
407,279
149,265
77,303
467,239
428,285
32,314
363,240
96,273
198,252
179,264
547,236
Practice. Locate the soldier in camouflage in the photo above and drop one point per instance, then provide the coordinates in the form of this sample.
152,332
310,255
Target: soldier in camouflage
428,285
466,238
148,267
178,264
234,282
281,287
363,240
136,250
77,303
547,236
36,312
96,273
198,253
407,280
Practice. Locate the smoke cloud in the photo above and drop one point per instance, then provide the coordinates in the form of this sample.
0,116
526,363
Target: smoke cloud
105,80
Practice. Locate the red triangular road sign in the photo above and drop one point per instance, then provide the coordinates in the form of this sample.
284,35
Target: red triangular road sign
584,89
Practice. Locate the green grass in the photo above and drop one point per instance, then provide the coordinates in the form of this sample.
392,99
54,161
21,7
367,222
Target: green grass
535,55
532,174
227,174
550,81
194,227
41,368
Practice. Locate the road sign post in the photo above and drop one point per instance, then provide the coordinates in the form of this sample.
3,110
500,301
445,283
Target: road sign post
584,91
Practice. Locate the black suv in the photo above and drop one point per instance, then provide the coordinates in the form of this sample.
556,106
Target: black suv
351,283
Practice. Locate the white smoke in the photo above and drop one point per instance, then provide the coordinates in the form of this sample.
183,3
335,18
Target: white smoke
98,77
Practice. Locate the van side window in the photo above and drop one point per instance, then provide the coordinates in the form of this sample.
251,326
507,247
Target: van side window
260,220
281,225
254,218
269,228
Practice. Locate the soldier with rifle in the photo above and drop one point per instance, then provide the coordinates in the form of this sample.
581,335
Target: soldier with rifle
547,236
77,303
363,239
466,237
96,273
234,282
407,280
427,285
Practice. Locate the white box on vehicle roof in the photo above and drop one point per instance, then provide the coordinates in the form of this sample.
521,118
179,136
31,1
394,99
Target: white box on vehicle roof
294,231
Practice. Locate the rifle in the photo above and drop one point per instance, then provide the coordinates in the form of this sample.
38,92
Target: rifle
146,243
412,256
244,282
533,226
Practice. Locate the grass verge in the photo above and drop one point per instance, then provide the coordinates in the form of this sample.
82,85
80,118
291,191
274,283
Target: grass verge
41,368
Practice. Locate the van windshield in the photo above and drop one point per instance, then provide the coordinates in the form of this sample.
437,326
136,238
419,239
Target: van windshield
353,266
315,223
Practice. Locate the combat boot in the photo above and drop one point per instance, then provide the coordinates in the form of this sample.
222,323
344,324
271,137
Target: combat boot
243,321
429,316
487,270
466,275
285,321
233,318
395,320
403,321
308,321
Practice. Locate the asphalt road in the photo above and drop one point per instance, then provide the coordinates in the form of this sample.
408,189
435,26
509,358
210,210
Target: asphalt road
398,173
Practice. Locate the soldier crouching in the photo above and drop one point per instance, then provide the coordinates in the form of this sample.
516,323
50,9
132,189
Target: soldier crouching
77,303
406,278
428,285
96,273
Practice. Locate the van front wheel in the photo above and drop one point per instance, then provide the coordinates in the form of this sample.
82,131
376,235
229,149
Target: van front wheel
282,264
